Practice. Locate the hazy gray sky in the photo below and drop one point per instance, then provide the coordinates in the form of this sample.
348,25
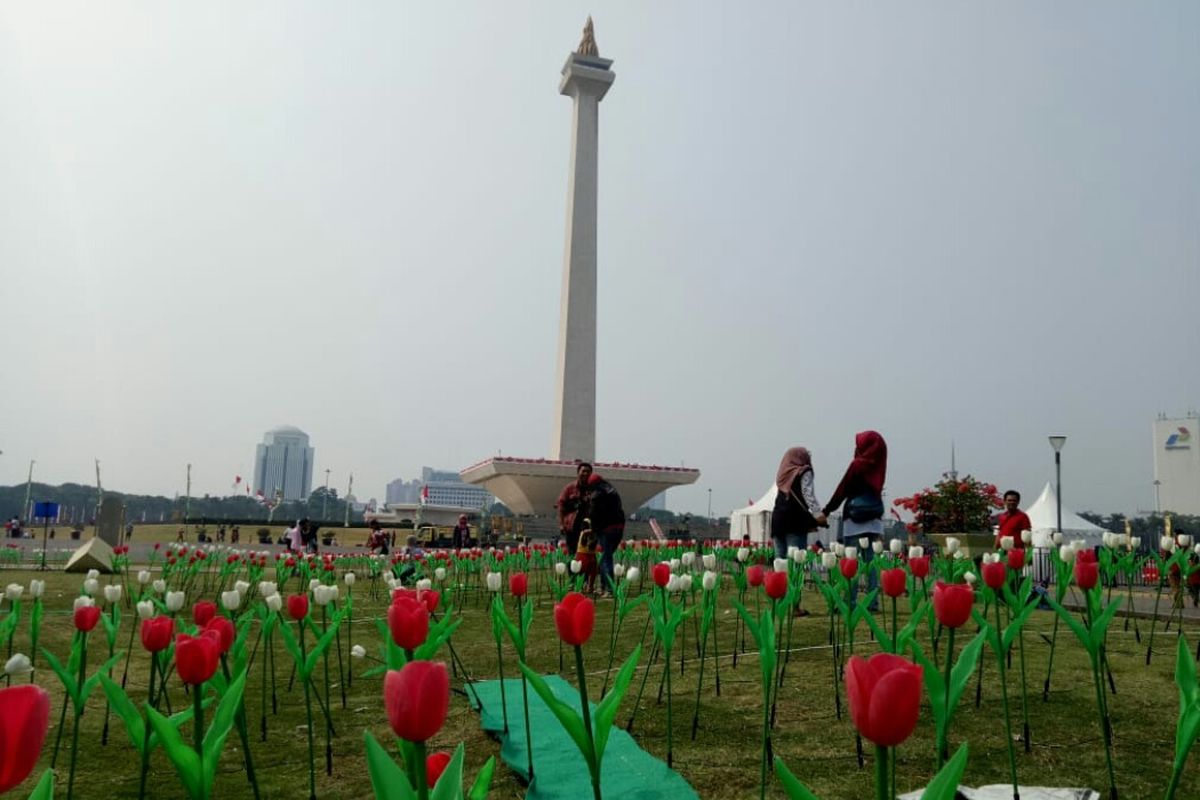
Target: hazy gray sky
938,220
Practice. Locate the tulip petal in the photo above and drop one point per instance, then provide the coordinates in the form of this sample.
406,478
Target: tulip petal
895,705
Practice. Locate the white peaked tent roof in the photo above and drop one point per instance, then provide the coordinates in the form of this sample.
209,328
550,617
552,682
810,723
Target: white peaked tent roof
1043,514
754,519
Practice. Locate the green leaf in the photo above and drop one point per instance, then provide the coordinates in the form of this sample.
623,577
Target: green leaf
993,639
218,729
1188,727
962,671
45,787
934,684
1081,633
321,646
126,710
567,716
182,757
501,624
387,779
449,785
881,636
90,684
606,711
766,651
910,629
751,622
792,786
70,685
1016,624
944,785
1100,624
483,781
293,646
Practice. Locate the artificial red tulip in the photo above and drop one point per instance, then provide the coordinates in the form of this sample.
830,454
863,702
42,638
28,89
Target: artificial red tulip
575,617
755,575
297,605
952,603
86,617
196,658
157,633
24,718
1087,555
408,620
1016,558
994,574
431,598
919,566
202,612
849,568
1087,573
893,581
885,697
417,699
661,574
435,765
518,585
222,631
776,585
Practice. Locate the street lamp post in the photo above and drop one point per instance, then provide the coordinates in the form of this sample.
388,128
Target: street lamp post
710,520
1057,443
325,499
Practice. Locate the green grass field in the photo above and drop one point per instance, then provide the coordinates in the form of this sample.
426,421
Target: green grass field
722,762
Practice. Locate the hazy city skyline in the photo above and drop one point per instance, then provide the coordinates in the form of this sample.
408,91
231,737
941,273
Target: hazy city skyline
943,222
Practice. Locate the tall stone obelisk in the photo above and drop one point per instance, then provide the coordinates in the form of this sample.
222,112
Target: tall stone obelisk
585,79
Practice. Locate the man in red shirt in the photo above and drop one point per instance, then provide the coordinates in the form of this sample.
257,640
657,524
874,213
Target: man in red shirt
1013,520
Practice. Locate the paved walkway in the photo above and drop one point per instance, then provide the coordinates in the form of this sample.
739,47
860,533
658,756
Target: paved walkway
1143,604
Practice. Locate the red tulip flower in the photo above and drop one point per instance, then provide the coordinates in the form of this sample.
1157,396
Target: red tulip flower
1087,573
1016,558
431,598
24,718
575,617
408,621
661,574
435,765
417,699
919,566
518,586
893,581
202,612
196,658
157,633
952,603
1088,555
222,632
776,585
755,575
297,605
86,617
994,574
885,697
849,568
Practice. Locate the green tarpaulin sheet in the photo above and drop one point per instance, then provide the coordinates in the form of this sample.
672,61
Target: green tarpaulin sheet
560,773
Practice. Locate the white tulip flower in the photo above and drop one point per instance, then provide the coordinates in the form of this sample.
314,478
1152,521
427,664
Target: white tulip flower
895,547
709,581
145,609
839,549
1196,549
877,546
560,568
242,587
424,585
275,602
951,545
1167,543
864,542
91,586
1185,540
797,554
1026,537
743,553
440,574
1135,542
618,570
576,566
1107,539
93,574
851,552
675,564
688,558
1066,553
1006,543
174,601
159,586
267,588
349,578
916,551
493,579
633,574
14,591
829,560
780,564
112,592
1057,538
970,578
358,651
144,576
685,583
83,601
18,666
959,555
709,561
673,584
37,588
325,594
231,600
313,583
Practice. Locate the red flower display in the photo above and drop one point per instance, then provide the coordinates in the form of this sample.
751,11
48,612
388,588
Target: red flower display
849,567
776,585
86,617
952,603
297,606
24,718
893,581
885,697
221,630
435,765
518,585
1087,556
417,699
755,575
1016,558
202,612
157,633
575,617
1087,573
994,574
919,566
408,620
661,574
196,658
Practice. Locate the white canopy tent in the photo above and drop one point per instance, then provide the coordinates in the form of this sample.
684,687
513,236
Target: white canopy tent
755,519
1043,515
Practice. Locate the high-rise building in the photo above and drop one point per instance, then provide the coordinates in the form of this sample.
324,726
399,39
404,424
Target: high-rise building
1177,464
438,488
284,463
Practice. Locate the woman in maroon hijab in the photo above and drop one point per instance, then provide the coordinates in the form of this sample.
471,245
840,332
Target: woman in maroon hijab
797,512
860,494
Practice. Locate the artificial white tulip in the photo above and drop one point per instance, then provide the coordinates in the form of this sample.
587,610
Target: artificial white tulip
324,595
959,555
709,581
877,546
424,585
83,601
851,552
560,568
1006,543
780,564
633,574
675,564
174,601
969,577
1135,542
18,666
112,592
313,583
673,584
493,581
1107,539
709,561
829,560
916,551
231,600
864,542
1057,537
93,574
618,570
990,558
267,588
576,566
1185,540
1066,553
242,586
145,609
797,554
349,578
685,583
1196,549
275,602
688,558
14,591
951,545
144,576
839,549
1167,543
91,586
159,586
895,547
743,553
1026,537
358,651
440,574
37,588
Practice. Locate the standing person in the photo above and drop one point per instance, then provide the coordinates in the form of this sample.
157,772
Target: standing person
602,507
797,512
861,493
569,501
294,538
377,539
462,533
1013,520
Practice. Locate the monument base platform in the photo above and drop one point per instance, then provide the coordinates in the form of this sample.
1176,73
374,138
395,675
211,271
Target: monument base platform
532,485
